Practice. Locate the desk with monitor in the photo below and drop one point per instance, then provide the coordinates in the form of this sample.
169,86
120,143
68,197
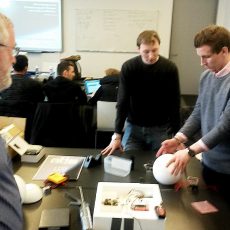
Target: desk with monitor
180,214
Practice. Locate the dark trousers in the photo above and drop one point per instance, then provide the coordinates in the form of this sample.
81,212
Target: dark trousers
217,181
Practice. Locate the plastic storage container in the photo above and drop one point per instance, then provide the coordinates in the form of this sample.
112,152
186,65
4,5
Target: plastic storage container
117,166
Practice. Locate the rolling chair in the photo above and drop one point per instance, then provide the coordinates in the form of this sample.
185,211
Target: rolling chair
106,115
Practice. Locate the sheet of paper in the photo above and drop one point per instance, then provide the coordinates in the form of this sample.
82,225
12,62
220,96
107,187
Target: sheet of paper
57,163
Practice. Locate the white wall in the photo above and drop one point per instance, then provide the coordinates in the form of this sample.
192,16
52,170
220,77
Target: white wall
94,63
223,13
188,18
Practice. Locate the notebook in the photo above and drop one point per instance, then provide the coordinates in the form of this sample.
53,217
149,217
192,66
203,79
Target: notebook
91,86
55,219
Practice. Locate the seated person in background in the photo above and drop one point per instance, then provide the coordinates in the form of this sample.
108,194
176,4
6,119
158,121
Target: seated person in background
23,88
109,87
63,88
77,68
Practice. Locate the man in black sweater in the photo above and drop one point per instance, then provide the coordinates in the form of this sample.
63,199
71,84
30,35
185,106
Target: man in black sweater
148,99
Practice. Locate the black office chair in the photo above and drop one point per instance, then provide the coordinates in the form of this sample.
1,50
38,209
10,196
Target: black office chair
59,125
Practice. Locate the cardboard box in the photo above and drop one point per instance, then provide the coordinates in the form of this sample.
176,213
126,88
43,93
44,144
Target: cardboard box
29,153
121,204
18,129
19,122
13,137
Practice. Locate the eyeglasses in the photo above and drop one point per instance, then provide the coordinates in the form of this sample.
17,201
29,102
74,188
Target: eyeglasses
15,50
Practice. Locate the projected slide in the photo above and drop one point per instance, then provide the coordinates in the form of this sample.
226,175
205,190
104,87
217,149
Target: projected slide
37,23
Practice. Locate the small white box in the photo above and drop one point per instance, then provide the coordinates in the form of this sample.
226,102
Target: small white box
29,153
123,200
33,157
117,166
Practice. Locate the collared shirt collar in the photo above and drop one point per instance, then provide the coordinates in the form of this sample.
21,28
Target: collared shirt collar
223,71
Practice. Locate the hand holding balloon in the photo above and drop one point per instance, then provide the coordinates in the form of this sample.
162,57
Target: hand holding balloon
170,146
162,170
179,160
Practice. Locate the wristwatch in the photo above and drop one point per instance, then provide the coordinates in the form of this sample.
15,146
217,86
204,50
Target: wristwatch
191,153
116,137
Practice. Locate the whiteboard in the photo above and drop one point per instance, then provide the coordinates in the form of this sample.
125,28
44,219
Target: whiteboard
116,28
113,26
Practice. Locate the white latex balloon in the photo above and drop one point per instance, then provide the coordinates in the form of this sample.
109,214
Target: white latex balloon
21,187
29,193
162,173
33,194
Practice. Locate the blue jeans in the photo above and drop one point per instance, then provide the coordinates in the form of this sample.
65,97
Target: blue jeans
144,138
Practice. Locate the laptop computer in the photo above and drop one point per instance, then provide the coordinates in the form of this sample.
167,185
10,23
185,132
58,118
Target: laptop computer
66,165
91,86
75,172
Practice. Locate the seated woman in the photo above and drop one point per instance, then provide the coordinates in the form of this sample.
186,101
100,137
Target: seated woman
109,87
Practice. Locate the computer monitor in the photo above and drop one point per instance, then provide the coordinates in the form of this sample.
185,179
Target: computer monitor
91,86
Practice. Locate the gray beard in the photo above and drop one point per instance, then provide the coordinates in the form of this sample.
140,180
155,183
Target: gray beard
5,81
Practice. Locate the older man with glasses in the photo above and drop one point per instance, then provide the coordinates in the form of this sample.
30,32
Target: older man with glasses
15,50
11,217
7,52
